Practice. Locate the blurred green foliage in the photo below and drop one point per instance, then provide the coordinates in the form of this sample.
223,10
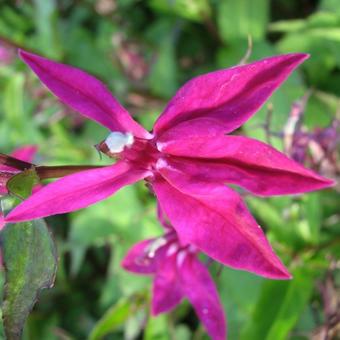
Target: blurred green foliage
144,50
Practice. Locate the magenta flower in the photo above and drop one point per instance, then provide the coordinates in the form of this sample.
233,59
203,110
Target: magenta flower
26,154
2,224
178,274
187,159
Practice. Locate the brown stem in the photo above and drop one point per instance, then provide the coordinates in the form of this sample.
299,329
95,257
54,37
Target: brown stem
10,42
45,172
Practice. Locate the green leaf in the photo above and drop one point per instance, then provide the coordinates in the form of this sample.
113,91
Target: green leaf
238,19
163,75
13,102
113,319
97,225
21,184
273,218
196,10
330,5
157,328
312,211
239,291
20,127
287,26
30,263
46,25
279,307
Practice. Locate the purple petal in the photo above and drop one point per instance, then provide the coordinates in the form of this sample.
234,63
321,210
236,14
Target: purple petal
137,259
166,290
200,289
230,96
215,219
83,93
76,191
243,161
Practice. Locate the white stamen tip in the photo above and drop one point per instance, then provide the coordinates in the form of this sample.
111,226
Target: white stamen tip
117,141
181,257
172,249
161,163
160,146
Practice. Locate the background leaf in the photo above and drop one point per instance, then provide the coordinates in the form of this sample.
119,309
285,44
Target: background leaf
30,263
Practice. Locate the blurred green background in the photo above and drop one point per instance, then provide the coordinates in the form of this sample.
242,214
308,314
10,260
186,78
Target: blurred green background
144,50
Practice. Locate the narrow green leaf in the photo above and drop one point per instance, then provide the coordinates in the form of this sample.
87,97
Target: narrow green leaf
46,20
163,75
312,210
157,328
295,301
19,125
30,261
114,318
13,102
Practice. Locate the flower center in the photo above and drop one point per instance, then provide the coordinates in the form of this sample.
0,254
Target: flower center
141,152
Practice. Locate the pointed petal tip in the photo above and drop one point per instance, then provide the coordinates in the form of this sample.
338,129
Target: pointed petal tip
302,56
125,264
279,272
29,58
328,182
298,57
23,54
286,275
20,51
155,310
321,183
305,56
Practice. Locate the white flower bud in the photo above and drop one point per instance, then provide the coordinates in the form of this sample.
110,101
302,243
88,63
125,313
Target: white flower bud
117,141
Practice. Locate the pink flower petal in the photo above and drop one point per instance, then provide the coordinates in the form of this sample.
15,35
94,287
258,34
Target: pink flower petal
4,177
76,191
215,219
228,96
137,259
83,93
166,290
2,223
25,153
243,161
200,289
162,218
